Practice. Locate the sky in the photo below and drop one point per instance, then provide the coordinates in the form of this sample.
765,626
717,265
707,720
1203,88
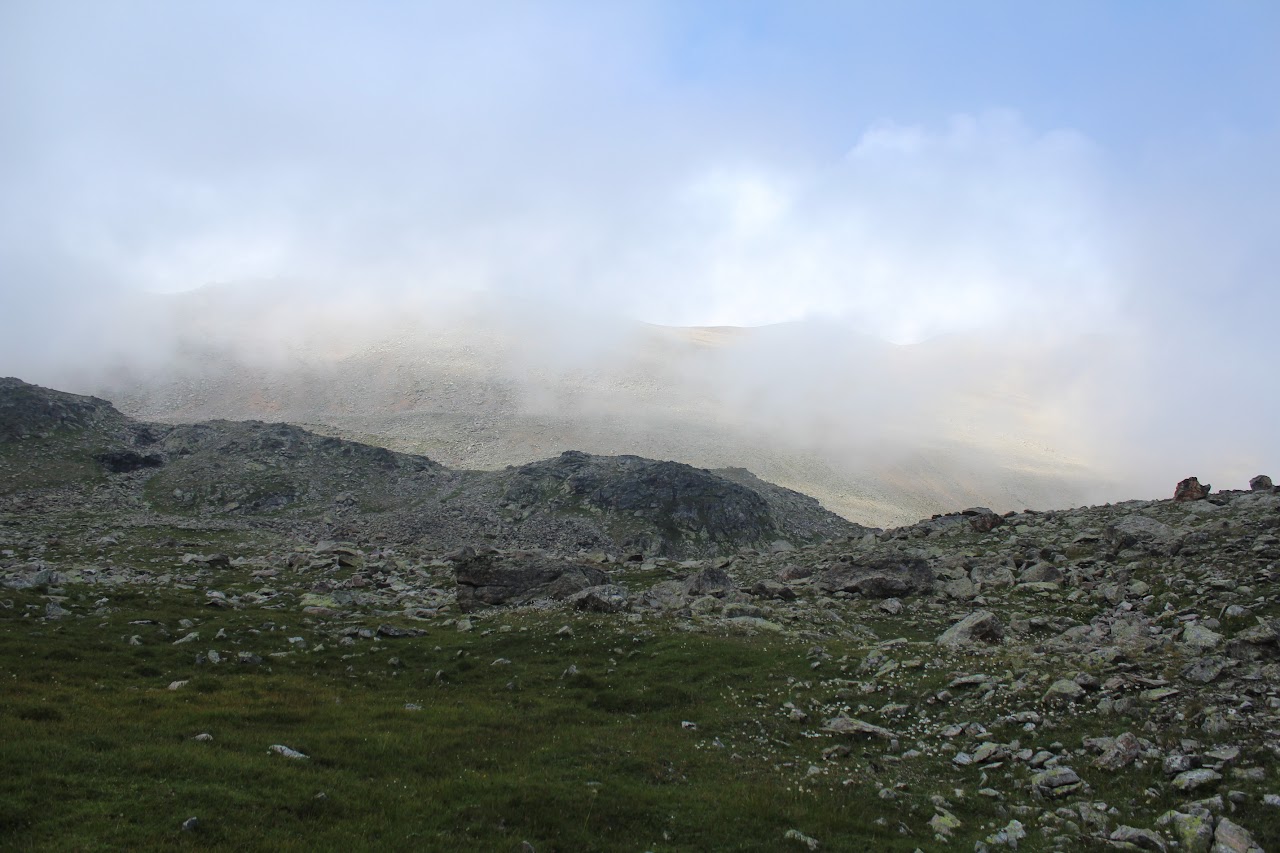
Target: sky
1018,171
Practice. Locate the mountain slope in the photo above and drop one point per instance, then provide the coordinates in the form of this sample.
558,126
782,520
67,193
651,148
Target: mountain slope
279,475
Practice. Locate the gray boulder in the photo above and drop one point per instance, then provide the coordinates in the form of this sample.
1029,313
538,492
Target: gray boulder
607,598
1261,483
887,578
708,582
982,625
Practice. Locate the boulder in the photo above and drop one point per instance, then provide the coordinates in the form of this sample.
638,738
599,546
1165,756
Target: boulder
773,589
1057,782
1122,752
1140,531
1191,490
1041,573
981,625
711,581
490,580
1261,483
1131,837
607,598
985,522
887,578
844,725
794,573
1199,638
1231,837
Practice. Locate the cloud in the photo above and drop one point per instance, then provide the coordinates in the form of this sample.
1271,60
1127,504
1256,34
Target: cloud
573,161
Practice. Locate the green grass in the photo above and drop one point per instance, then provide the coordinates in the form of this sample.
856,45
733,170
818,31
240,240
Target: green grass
98,754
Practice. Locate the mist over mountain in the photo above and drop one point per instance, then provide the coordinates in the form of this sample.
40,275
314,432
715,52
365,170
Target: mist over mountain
883,434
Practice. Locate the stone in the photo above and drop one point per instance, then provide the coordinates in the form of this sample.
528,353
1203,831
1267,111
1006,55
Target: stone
711,581
1141,531
1057,782
1231,837
606,598
979,626
1041,573
1120,754
992,576
773,590
884,578
799,837
1194,832
1191,490
1191,780
1009,835
393,632
1199,638
845,725
1261,483
961,589
795,573
1204,670
190,824
1142,839
985,522
287,752
1061,691
944,823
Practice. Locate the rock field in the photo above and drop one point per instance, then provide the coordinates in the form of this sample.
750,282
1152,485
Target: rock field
1104,676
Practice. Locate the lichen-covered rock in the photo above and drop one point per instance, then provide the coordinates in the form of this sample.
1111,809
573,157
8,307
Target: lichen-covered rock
1231,837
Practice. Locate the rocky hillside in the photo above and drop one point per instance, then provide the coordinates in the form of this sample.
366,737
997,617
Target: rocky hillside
1102,677
280,476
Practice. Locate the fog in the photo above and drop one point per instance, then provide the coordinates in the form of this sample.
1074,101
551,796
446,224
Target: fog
940,242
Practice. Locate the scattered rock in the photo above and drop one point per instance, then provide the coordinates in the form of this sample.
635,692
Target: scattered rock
281,749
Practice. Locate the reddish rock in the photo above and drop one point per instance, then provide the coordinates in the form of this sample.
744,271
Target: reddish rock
1191,490
985,522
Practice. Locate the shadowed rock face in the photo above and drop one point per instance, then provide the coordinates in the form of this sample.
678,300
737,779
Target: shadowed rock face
681,501
30,410
123,461
490,580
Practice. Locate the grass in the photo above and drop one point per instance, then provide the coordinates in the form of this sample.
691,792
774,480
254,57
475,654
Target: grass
99,754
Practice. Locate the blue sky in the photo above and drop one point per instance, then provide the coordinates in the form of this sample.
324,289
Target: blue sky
912,169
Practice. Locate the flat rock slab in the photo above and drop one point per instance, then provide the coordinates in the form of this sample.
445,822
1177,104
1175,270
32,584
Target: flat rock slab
487,581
